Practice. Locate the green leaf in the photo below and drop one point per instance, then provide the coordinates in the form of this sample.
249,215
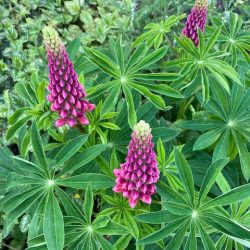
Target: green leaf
156,100
105,245
177,208
131,224
162,76
70,208
36,224
110,101
205,85
167,193
206,240
157,217
37,243
82,158
40,92
187,45
21,90
207,139
16,126
191,241
244,155
88,204
149,59
103,62
228,226
220,78
212,40
109,125
210,177
17,114
25,143
73,48
236,194
201,124
138,54
201,45
15,180
101,88
53,225
26,165
70,149
119,55
123,242
132,118
100,221
222,146
19,210
38,147
13,202
112,228
233,20
178,238
163,232
166,134
185,174
97,181
162,89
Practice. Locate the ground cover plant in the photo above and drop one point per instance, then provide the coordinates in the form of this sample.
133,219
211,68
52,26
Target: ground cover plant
129,140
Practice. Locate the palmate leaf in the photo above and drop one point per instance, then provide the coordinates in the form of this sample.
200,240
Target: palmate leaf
155,32
183,220
201,66
233,38
125,73
83,232
229,125
35,183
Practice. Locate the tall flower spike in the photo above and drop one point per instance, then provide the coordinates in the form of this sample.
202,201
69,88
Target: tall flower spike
65,92
197,17
137,176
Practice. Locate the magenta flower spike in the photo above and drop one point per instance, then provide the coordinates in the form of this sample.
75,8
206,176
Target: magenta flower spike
66,94
137,176
197,18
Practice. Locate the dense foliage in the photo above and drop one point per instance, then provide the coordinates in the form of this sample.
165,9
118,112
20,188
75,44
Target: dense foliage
125,125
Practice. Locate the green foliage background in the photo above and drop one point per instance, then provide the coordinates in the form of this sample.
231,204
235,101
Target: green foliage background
201,109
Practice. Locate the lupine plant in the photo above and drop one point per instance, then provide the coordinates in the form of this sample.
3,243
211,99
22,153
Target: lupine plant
140,145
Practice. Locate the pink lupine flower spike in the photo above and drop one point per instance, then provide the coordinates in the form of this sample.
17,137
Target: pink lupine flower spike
197,18
137,176
65,92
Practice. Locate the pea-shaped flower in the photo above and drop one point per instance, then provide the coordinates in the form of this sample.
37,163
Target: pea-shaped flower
197,18
137,176
65,92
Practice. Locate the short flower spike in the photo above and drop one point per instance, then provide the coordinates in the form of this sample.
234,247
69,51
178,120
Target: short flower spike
197,18
137,177
66,93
